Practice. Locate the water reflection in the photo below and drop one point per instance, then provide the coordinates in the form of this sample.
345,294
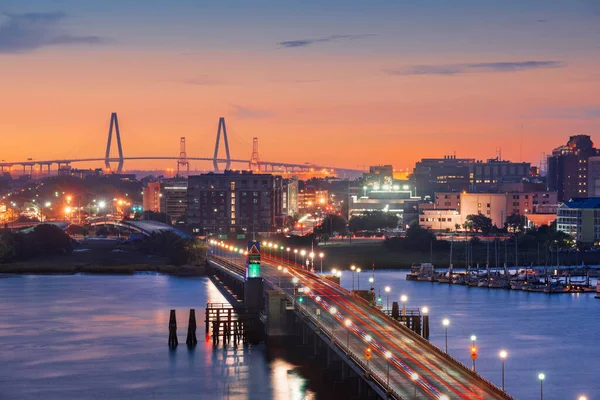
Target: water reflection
105,337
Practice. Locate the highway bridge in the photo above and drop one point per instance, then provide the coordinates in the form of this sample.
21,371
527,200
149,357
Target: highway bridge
403,364
253,163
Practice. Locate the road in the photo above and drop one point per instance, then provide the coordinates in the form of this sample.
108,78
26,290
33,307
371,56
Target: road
416,371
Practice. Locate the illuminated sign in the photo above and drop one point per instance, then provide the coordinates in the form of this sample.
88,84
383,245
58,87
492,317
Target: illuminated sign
253,260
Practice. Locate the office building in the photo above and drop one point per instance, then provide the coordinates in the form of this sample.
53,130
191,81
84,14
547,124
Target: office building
593,176
311,199
234,201
173,199
451,174
580,218
151,197
290,196
568,167
393,199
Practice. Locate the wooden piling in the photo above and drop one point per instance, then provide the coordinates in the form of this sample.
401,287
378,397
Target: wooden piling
173,330
191,339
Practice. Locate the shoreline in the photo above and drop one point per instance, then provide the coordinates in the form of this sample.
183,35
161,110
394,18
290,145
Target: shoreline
32,268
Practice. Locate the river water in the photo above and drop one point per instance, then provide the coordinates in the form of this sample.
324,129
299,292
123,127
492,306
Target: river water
105,337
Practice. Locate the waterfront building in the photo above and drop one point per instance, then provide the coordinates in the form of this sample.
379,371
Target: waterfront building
173,198
580,218
496,206
234,201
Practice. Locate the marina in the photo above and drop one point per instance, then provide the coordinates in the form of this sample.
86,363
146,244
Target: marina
540,279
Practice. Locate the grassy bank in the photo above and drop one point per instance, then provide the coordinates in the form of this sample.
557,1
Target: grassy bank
46,268
364,255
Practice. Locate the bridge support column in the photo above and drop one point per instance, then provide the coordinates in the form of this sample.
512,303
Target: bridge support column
173,330
191,339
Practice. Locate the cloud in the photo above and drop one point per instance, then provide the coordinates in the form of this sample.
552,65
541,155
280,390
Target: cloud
455,69
20,33
249,113
333,38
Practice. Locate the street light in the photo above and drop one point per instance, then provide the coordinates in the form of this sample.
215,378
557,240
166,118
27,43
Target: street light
288,254
295,282
415,377
348,324
358,278
388,355
541,377
503,355
353,268
473,349
321,255
280,268
295,254
303,254
446,322
333,311
403,300
582,398
387,296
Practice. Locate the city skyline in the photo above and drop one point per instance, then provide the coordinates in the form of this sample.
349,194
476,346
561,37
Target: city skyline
393,83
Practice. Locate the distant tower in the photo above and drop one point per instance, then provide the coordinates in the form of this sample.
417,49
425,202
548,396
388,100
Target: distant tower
255,158
183,160
114,124
216,156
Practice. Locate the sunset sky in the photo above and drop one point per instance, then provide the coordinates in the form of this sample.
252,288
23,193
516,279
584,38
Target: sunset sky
343,83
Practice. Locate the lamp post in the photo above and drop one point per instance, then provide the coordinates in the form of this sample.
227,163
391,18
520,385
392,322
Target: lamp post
333,311
446,322
280,268
388,355
503,355
295,254
473,338
403,300
312,261
295,281
387,297
541,377
321,255
358,278
415,378
348,324
582,398
303,254
288,254
353,268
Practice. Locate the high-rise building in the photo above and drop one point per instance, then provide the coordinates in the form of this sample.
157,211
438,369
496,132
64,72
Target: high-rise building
151,197
568,167
234,201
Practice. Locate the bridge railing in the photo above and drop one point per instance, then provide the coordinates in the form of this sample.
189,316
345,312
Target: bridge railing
379,380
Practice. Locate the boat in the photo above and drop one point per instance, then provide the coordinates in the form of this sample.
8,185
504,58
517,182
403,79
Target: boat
556,286
413,275
422,272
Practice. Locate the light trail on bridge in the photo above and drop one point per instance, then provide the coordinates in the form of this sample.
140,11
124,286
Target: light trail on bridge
438,376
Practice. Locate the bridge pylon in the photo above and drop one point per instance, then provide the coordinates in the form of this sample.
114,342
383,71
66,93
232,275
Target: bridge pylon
222,128
255,158
183,160
114,125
